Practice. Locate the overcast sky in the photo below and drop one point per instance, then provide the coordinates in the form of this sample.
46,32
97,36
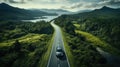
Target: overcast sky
73,5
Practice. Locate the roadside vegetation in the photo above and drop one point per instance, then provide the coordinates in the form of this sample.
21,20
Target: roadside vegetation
69,54
24,44
81,52
84,32
99,43
45,57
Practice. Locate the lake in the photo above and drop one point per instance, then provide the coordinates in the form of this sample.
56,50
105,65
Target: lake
45,18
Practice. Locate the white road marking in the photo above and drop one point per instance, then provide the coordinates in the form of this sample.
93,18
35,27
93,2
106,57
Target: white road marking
58,63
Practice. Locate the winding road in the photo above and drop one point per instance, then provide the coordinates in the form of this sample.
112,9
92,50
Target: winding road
58,41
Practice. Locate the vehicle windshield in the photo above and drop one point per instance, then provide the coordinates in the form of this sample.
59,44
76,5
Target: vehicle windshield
59,49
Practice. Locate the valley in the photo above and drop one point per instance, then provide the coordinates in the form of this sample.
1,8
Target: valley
59,38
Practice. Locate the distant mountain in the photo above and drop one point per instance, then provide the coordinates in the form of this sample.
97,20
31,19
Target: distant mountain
8,12
54,10
104,12
58,11
82,11
106,9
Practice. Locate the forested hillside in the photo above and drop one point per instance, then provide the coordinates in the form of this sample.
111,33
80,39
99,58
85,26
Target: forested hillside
103,23
24,44
15,29
103,28
8,12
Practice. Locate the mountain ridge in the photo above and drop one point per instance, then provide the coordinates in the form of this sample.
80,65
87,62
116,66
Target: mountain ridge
104,11
8,12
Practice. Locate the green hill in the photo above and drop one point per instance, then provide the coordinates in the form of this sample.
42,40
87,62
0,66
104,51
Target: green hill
103,23
84,32
8,12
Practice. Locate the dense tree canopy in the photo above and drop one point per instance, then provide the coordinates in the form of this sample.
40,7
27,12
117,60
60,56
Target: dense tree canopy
15,29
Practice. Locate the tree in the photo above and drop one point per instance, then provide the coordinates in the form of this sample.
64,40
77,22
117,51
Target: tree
17,46
69,27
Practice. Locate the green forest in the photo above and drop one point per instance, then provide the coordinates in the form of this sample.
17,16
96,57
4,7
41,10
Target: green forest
84,32
23,44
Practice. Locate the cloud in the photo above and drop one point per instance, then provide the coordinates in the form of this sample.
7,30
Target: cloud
75,5
52,1
35,1
113,3
72,5
101,3
15,1
110,2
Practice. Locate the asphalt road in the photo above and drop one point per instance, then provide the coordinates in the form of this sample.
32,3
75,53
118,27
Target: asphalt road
53,60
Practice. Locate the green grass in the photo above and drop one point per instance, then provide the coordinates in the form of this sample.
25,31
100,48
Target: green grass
15,30
31,54
46,56
99,43
31,38
26,39
91,38
76,25
68,51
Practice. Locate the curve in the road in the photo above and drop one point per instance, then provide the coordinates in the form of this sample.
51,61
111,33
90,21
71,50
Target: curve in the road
58,41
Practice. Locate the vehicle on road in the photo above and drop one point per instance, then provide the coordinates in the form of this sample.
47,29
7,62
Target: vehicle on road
59,52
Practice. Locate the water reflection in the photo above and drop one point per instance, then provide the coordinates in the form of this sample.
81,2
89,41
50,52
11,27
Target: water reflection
45,18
